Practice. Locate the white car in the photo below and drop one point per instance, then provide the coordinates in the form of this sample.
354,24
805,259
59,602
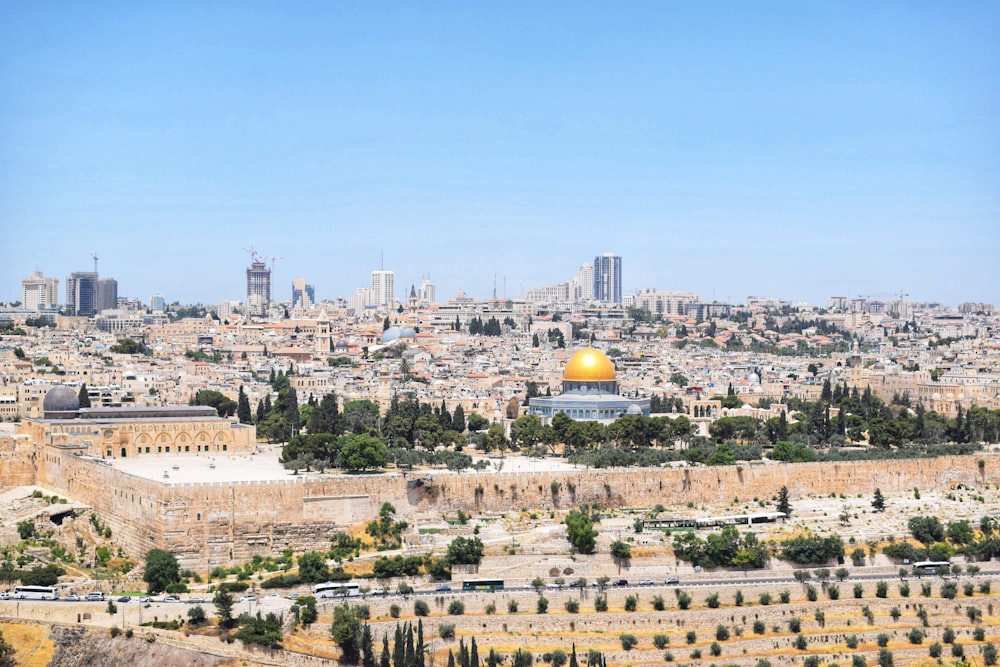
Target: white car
248,598
272,596
378,591
4,596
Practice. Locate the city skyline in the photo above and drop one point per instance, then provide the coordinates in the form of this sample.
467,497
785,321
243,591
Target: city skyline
799,152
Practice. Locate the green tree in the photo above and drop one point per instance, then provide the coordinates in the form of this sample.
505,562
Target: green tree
783,503
313,568
580,532
621,551
225,406
264,631
243,412
346,633
465,551
84,396
361,452
878,500
458,419
161,570
223,601
477,422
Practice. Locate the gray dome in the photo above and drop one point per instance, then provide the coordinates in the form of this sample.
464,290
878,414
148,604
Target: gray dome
395,333
633,410
61,399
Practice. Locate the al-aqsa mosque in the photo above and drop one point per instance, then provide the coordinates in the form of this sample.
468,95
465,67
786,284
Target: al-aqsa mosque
589,392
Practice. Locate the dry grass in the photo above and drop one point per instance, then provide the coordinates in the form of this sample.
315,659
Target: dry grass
31,643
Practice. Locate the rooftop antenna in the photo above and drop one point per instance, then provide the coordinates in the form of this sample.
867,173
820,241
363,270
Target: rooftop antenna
94,255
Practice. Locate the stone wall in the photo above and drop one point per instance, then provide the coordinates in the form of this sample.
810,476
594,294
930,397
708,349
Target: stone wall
223,523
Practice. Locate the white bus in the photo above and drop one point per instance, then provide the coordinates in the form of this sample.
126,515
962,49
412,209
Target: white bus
36,593
336,590
934,566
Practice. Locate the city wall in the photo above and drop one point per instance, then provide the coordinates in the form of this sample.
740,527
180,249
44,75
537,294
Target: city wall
223,523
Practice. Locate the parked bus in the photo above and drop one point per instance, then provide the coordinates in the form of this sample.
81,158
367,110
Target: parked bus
36,593
336,590
482,585
932,566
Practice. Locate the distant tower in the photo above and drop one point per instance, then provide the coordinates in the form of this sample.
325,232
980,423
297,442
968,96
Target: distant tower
81,293
608,278
303,294
158,302
383,288
39,292
427,291
107,294
258,289
585,279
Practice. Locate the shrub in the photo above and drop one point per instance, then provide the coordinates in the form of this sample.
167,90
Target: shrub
420,608
800,642
784,596
916,636
456,608
668,656
904,590
984,587
691,637
512,607
795,624
715,649
884,658
712,601
859,591
957,650
895,613
738,598
696,654
858,661
759,627
683,600
631,602
490,608
989,654
811,593
851,641
881,589
600,602
934,650
658,603
882,639
833,591
394,610
948,635
765,599
447,630
949,590
925,590
572,606
628,641
721,632
660,641
811,661
543,605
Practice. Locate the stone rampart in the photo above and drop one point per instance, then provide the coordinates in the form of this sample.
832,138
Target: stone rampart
223,523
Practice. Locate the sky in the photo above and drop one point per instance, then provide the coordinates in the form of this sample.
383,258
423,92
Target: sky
798,150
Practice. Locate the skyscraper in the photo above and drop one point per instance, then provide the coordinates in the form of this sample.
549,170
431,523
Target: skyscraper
158,302
39,292
81,293
303,294
428,292
585,282
107,294
258,289
608,278
383,288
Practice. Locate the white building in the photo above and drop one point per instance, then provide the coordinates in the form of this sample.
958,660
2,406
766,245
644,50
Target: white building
39,292
383,289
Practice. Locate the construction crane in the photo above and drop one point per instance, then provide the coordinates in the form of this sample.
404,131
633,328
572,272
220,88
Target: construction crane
253,253
901,295
273,260
94,255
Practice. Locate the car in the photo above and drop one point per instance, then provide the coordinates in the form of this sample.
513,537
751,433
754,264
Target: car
196,600
4,596
72,598
172,598
378,591
646,582
145,598
443,588
672,580
553,585
124,598
248,598
272,596
621,582
577,583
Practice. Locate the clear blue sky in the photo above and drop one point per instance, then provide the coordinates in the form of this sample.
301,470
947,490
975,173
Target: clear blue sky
790,149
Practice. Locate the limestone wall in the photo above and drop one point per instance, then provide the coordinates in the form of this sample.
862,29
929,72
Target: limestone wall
222,523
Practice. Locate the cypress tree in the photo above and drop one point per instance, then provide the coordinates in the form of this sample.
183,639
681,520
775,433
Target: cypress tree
384,659
261,412
474,657
409,657
398,648
243,408
420,643
367,650
84,396
572,657
451,658
458,419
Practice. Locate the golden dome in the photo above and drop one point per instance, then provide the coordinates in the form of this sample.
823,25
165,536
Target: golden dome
589,365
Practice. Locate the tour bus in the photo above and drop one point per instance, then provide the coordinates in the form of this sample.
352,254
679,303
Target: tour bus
36,593
931,566
336,590
482,585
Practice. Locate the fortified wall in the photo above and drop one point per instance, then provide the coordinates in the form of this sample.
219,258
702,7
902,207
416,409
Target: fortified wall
224,523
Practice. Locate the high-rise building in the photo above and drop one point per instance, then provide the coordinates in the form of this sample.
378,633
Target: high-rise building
107,294
427,291
158,302
608,278
258,289
585,282
81,293
39,292
383,288
303,294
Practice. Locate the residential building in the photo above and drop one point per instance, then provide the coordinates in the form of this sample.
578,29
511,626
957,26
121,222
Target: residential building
383,289
39,292
258,289
608,278
303,294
